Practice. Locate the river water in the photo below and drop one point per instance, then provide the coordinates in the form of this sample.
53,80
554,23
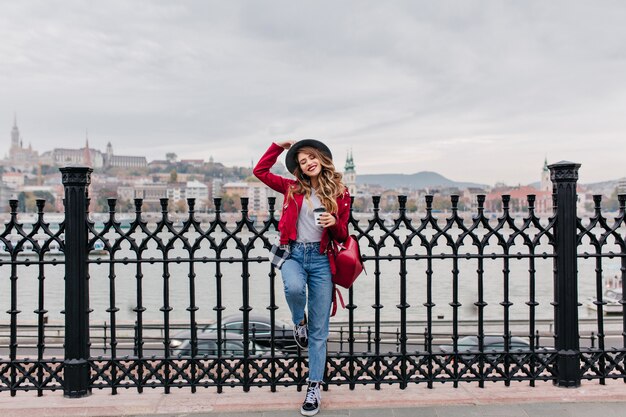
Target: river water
259,283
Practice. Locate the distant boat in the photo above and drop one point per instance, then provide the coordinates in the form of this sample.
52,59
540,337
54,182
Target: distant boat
98,249
612,296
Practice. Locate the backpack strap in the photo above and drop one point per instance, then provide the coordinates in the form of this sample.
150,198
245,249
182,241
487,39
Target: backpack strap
336,293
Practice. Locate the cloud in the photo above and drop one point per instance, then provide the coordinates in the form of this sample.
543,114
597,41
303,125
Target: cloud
478,91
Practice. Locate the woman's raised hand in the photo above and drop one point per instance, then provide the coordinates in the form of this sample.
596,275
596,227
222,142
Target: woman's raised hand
287,144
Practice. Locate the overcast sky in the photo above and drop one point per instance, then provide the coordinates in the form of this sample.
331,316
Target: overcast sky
478,91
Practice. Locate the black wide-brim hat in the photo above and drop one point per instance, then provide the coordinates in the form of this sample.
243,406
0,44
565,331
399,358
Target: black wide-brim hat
291,160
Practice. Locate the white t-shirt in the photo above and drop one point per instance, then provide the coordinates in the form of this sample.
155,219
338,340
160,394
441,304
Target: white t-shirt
308,230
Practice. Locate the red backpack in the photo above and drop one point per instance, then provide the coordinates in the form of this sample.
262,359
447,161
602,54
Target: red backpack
348,265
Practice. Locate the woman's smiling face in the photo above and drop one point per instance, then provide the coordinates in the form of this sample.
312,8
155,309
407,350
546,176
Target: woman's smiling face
309,164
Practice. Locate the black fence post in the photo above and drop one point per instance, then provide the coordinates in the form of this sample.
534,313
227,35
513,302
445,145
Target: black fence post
564,176
76,365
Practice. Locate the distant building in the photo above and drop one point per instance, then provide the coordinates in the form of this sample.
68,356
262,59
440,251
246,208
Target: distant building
177,191
519,200
258,194
6,193
27,160
519,195
180,177
470,194
196,163
546,183
198,191
217,185
94,158
158,164
14,179
121,161
149,192
20,158
235,189
349,174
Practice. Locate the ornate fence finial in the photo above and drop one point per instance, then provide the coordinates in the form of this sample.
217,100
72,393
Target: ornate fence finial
402,203
564,171
597,203
429,202
480,199
376,202
454,200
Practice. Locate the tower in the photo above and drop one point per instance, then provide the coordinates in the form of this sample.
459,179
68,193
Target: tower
15,134
109,154
546,184
86,153
349,174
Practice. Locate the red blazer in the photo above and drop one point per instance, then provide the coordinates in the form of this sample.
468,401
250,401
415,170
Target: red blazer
289,218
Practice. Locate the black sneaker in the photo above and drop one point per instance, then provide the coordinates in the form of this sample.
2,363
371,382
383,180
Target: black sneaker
300,334
313,400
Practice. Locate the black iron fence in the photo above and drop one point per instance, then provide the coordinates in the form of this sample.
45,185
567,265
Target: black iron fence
505,274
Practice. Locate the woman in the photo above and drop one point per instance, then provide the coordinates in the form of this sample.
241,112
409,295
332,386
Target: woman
317,186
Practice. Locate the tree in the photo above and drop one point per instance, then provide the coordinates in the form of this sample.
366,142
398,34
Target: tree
612,203
101,204
441,203
151,207
361,204
173,176
27,201
180,206
389,202
124,206
411,206
171,157
231,203
49,169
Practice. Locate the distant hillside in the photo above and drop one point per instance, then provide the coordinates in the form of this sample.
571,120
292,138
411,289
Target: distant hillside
603,187
424,179
603,184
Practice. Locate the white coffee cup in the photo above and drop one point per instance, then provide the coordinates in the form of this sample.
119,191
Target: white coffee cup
317,214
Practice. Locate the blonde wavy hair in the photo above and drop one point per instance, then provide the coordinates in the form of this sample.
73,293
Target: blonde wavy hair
330,185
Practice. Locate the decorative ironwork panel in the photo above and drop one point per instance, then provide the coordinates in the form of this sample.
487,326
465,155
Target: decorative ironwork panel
31,375
602,269
170,247
29,252
462,296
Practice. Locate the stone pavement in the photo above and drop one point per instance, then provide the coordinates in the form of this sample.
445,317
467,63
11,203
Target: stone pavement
590,400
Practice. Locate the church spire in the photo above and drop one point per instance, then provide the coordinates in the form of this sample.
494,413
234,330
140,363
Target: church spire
349,162
546,183
15,134
349,174
86,152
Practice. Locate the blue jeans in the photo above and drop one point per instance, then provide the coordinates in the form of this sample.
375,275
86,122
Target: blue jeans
306,267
